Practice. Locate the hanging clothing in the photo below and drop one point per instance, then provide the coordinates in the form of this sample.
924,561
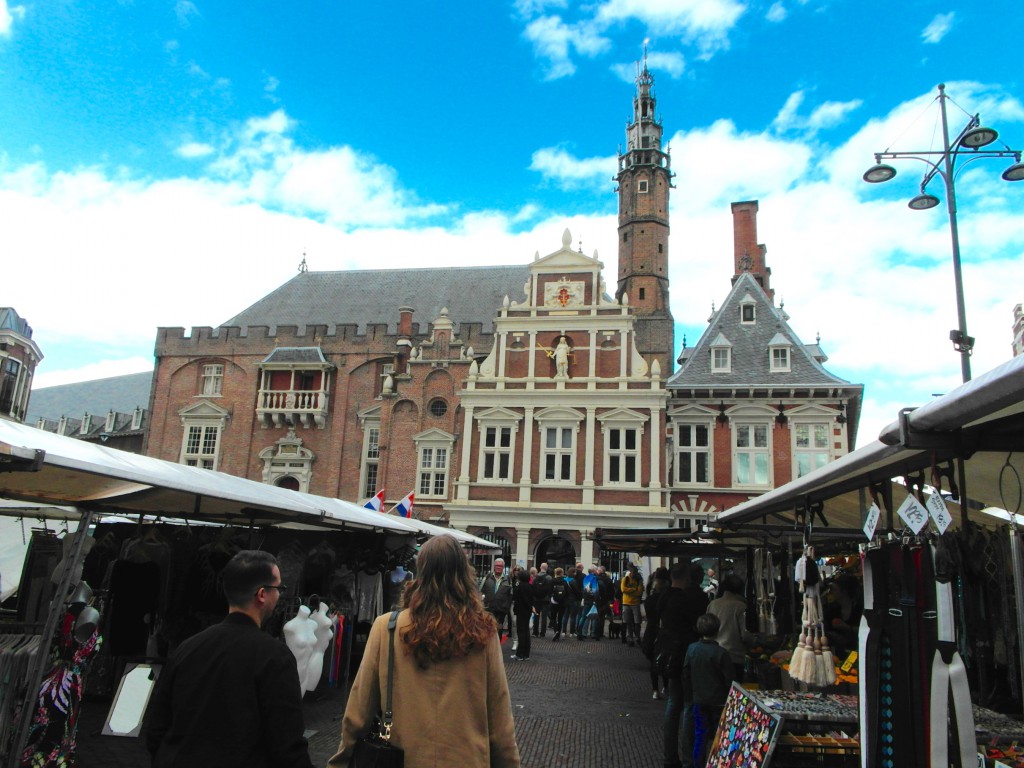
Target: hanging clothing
52,735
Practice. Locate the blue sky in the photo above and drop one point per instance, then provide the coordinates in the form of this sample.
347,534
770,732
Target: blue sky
168,163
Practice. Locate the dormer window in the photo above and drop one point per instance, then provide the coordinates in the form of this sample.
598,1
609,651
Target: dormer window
137,418
721,355
86,425
780,358
747,314
779,354
111,420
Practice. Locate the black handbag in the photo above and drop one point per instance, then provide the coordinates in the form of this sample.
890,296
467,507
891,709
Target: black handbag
374,750
668,654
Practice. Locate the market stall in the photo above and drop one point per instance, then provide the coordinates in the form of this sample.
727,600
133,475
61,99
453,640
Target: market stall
941,582
155,578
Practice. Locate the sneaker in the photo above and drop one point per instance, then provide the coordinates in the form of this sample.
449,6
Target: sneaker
515,645
555,638
515,657
656,695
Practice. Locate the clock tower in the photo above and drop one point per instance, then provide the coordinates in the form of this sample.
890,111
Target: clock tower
644,180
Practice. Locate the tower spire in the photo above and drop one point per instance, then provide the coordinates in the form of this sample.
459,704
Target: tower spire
644,180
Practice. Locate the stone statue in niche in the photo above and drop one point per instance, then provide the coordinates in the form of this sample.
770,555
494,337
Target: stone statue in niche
561,354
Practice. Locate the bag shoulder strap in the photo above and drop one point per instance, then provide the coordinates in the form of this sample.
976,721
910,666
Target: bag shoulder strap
388,715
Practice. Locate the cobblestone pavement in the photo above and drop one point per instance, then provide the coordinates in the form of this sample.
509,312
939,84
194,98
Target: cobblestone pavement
577,704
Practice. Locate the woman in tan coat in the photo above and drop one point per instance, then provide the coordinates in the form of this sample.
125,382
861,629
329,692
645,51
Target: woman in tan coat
450,695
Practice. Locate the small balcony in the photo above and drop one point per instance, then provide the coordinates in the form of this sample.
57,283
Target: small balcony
292,407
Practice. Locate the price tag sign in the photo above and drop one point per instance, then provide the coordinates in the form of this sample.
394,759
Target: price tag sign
913,513
850,661
872,521
939,512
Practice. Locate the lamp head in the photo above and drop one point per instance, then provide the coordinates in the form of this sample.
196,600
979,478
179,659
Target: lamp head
923,202
1015,172
878,173
978,137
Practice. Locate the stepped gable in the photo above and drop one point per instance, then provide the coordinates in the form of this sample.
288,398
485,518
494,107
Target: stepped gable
115,393
371,297
750,347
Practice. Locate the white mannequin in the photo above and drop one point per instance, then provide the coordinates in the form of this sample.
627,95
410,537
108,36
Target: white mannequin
324,632
398,574
300,637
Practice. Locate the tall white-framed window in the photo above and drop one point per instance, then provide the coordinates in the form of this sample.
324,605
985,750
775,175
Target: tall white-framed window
811,446
558,454
496,438
721,359
203,425
433,451
622,455
693,453
202,444
751,454
213,380
496,454
369,465
622,430
558,428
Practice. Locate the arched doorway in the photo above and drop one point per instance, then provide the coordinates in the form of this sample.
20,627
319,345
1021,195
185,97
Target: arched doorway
556,551
288,482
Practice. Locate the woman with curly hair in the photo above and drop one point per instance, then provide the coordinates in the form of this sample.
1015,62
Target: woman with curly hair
449,695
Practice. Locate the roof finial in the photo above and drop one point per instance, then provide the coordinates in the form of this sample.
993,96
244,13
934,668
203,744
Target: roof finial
302,264
581,245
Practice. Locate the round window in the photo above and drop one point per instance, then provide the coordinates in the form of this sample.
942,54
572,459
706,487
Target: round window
438,407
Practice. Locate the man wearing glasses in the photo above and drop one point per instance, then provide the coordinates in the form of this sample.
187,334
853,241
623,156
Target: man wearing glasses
230,696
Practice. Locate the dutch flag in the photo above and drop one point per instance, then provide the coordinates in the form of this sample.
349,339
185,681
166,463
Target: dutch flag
404,507
376,502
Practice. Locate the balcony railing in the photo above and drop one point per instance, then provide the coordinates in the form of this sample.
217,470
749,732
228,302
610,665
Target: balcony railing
282,407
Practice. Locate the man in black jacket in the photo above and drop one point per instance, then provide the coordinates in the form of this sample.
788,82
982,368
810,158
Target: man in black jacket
230,695
542,586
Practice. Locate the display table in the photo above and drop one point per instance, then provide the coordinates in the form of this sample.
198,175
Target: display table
786,729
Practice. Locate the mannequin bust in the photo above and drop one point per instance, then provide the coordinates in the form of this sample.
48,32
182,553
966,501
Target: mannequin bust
323,633
300,637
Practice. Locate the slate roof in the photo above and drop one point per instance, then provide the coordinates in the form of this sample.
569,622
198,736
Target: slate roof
313,355
118,393
750,343
360,297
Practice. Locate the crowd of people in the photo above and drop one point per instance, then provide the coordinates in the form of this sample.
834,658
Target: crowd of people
694,634
235,678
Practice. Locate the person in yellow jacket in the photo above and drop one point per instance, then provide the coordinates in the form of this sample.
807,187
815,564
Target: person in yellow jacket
632,587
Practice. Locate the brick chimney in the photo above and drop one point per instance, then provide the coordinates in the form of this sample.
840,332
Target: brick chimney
749,255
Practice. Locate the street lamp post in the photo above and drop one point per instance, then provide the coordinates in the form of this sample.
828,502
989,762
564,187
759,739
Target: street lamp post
944,164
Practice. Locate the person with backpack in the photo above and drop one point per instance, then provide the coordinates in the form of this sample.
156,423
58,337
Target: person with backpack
559,597
574,593
542,584
588,608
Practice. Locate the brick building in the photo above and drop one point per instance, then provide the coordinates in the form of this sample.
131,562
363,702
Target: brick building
752,407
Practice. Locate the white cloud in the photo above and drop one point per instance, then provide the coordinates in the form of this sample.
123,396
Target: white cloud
554,41
194,149
705,23
560,167
826,115
8,13
186,10
672,64
777,12
938,28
